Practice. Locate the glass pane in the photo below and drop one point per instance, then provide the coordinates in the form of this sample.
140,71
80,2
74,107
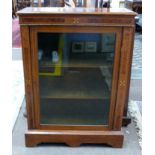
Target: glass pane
75,74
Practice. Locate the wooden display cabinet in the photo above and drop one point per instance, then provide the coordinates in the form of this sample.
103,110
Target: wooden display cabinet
77,65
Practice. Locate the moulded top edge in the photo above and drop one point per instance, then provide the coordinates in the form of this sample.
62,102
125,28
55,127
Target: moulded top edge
69,10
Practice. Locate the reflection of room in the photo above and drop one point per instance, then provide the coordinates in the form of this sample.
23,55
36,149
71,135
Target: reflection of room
82,73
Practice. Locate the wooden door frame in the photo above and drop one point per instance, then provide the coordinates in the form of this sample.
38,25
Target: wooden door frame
71,29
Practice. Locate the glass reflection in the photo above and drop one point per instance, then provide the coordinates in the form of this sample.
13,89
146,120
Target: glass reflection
75,73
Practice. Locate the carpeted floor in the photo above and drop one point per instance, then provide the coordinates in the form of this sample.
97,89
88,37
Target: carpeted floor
16,39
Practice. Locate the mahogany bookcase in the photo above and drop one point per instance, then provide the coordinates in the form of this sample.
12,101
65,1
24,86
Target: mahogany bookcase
77,64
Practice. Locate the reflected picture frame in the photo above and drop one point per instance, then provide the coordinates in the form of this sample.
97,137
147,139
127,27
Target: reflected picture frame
108,42
91,47
78,47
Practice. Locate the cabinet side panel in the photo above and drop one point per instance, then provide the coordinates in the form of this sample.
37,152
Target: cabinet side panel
115,75
124,75
27,74
129,75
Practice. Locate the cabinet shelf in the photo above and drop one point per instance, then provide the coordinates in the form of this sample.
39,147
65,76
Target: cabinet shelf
63,120
75,111
75,84
75,62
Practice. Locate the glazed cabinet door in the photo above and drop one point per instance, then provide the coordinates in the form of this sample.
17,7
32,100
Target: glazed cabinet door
75,73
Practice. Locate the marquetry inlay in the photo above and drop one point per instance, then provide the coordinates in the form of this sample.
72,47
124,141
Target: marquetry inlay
122,83
42,20
75,20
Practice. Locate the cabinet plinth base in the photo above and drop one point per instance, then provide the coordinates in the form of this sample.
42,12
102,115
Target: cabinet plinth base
74,138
